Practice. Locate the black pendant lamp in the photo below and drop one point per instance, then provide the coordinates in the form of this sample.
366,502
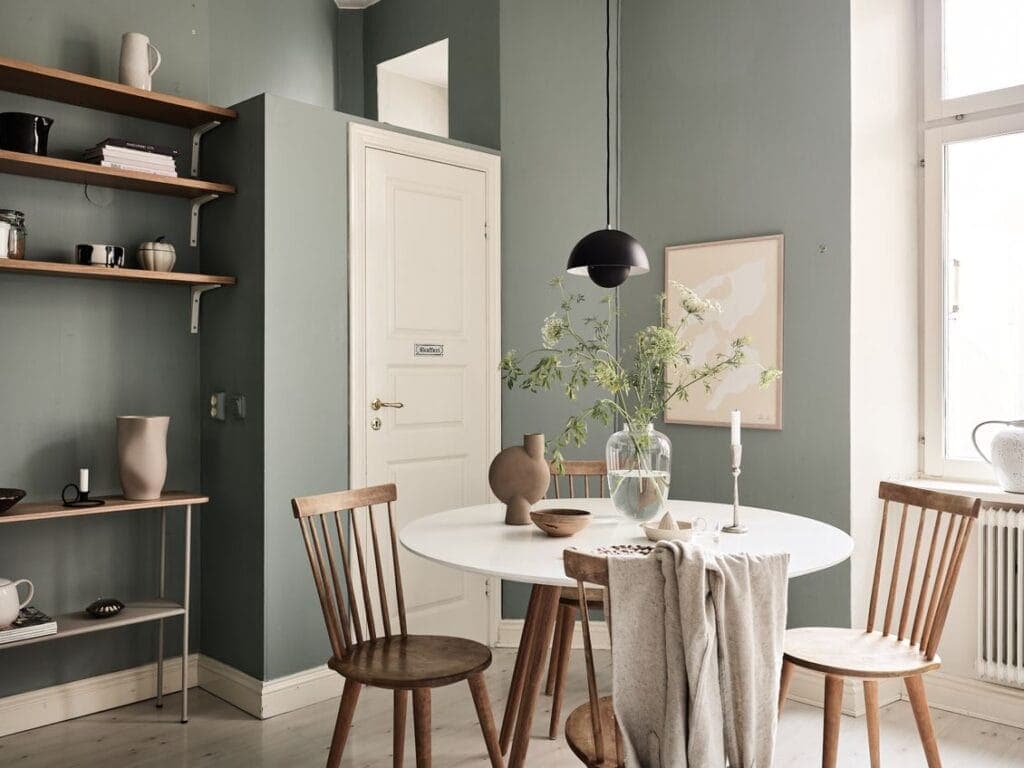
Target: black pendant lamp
608,255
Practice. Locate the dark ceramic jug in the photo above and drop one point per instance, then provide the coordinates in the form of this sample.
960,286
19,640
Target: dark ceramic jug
22,132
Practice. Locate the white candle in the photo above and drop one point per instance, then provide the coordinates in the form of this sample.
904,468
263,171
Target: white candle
735,423
83,480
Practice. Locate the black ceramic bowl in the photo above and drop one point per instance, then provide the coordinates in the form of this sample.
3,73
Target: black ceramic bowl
9,497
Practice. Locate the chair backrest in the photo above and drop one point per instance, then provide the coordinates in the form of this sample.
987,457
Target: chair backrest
927,599
592,569
341,608
579,472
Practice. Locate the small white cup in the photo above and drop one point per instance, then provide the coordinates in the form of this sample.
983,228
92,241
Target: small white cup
10,606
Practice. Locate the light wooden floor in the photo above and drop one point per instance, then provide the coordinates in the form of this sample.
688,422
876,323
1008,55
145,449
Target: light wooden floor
140,736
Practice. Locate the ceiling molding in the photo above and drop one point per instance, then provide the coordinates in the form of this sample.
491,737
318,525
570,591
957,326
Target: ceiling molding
354,5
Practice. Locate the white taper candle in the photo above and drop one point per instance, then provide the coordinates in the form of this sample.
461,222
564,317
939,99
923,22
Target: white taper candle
735,423
83,480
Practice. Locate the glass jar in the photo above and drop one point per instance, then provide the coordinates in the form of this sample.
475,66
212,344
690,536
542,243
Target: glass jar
639,471
16,233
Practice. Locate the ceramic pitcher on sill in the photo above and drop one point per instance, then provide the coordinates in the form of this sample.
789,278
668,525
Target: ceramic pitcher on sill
1007,454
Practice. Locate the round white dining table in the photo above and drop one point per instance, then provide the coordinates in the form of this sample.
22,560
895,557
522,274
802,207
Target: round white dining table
476,539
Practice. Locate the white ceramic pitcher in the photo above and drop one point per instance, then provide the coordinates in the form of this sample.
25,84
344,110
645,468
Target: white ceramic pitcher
1007,454
10,606
137,67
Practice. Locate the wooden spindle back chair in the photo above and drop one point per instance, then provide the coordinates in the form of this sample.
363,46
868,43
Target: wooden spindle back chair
367,646
906,614
591,730
590,477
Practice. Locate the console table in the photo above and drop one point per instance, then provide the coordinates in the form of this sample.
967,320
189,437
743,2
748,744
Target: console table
158,610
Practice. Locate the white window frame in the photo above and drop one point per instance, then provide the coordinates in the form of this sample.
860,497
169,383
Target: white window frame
936,107
947,121
934,289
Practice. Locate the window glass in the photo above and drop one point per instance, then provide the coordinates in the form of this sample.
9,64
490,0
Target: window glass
984,277
982,46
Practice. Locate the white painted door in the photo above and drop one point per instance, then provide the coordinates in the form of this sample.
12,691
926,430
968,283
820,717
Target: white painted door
428,336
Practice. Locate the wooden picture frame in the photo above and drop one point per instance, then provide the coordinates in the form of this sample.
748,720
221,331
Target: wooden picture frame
746,277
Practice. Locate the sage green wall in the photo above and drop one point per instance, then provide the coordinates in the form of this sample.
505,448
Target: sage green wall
552,146
80,352
393,27
267,46
736,122
306,361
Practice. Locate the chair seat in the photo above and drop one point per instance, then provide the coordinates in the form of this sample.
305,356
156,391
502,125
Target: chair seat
855,653
413,661
580,735
595,597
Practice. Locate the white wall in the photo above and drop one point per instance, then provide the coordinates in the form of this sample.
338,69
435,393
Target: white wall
884,266
412,103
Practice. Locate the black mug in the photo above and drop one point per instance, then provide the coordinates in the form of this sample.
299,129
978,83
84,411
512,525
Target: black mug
22,132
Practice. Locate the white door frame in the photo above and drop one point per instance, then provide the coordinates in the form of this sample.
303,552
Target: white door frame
362,137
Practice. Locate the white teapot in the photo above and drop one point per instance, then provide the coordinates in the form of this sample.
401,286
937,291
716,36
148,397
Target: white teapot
9,604
1007,454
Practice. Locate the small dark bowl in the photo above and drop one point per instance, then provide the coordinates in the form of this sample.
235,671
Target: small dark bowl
104,608
9,497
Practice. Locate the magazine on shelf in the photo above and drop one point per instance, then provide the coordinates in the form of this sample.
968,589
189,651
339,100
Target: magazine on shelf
139,146
31,623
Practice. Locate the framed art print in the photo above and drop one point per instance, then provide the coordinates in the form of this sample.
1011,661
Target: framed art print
745,277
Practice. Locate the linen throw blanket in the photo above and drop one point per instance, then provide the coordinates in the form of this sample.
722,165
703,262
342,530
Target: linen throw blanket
697,641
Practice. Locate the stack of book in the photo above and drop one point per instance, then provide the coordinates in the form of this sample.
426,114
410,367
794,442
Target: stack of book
132,156
31,622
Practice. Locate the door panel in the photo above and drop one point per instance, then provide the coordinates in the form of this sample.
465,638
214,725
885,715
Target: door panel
426,284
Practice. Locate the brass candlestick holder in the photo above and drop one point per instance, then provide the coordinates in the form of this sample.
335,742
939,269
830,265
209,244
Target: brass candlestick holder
737,526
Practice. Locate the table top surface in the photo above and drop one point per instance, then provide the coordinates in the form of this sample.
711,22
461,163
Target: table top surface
476,538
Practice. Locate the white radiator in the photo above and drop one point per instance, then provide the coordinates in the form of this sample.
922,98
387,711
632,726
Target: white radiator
1001,596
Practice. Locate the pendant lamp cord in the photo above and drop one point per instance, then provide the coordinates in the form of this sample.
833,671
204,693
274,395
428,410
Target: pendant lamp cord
608,111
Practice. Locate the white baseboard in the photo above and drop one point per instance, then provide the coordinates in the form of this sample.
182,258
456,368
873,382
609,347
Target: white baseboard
268,698
32,709
975,698
510,630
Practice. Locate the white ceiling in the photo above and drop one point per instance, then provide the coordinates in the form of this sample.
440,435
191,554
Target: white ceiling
429,64
354,5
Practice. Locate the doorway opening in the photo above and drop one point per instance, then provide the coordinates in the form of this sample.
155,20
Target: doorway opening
412,89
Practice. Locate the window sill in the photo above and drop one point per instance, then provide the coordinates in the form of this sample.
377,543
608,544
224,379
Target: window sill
987,492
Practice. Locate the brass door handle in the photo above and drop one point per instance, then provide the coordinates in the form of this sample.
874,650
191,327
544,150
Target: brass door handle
378,404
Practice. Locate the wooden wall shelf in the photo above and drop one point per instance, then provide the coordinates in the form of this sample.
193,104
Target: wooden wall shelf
48,510
84,91
58,269
87,173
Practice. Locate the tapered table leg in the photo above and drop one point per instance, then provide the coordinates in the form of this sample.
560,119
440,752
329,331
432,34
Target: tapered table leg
543,630
515,688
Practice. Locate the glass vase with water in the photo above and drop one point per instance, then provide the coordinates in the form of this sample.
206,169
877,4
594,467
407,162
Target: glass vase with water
639,471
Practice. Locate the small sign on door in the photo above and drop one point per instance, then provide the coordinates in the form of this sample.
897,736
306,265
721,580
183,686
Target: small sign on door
428,350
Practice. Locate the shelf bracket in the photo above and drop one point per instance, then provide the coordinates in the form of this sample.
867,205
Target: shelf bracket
197,136
197,292
193,227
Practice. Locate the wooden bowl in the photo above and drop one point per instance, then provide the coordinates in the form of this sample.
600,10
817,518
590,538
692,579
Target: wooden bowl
560,523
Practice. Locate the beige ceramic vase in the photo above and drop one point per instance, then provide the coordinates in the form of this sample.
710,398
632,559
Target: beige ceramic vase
142,455
519,477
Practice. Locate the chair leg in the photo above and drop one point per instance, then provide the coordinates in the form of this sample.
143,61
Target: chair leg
398,736
562,645
833,713
919,703
478,688
788,668
549,687
871,711
421,725
349,697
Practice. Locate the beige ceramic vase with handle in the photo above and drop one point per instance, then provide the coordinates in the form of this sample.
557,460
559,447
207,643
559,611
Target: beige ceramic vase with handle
142,455
519,476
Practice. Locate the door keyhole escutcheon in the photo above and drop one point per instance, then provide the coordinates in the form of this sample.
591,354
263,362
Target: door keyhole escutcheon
375,423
